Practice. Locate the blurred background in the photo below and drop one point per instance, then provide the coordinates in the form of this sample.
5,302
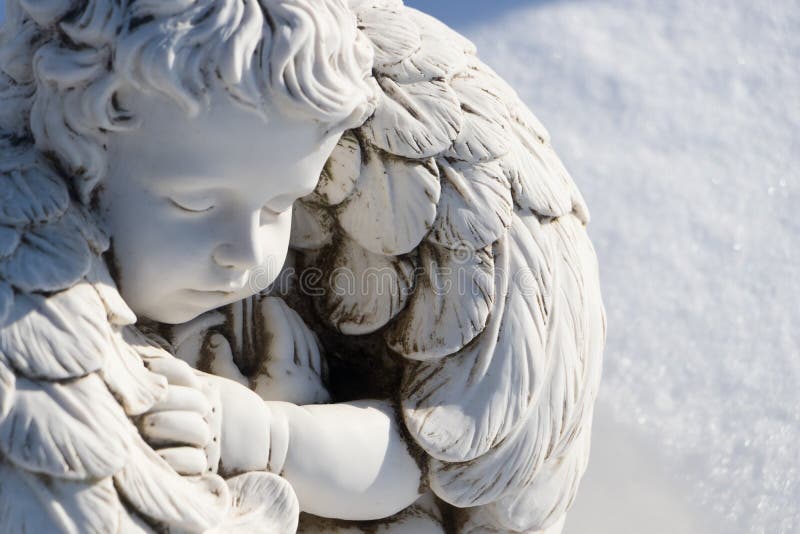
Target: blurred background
680,121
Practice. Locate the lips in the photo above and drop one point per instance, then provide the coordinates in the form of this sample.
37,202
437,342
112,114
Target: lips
231,288
214,293
222,293
223,290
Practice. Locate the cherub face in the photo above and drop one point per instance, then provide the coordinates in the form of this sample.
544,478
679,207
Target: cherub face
196,204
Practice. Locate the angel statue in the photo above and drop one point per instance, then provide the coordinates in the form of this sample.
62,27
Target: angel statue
282,265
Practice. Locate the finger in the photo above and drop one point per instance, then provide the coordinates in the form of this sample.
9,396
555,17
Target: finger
177,371
277,329
168,428
306,343
183,399
222,364
185,460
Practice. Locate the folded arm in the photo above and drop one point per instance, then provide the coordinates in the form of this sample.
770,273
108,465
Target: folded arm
346,461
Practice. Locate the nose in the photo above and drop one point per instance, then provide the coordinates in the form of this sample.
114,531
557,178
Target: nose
240,247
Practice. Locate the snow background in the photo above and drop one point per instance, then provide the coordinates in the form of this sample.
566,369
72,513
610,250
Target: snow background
680,121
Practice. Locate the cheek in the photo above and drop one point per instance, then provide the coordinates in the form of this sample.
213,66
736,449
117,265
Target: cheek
156,251
275,242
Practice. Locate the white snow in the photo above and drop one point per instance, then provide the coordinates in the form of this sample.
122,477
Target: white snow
680,121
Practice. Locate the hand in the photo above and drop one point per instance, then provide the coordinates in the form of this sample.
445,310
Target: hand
293,367
288,366
179,427
254,434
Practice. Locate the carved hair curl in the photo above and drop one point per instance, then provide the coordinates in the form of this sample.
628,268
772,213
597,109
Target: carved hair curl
62,63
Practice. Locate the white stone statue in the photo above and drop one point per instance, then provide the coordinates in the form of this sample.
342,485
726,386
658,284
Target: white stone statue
354,233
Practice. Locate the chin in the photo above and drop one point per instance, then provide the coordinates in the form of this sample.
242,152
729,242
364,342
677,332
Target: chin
174,314
184,307
174,317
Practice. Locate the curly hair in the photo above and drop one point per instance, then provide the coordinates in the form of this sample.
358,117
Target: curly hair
62,63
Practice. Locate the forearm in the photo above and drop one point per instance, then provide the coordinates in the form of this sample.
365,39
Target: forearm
348,460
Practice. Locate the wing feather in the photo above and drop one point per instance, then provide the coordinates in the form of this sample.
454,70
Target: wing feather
486,133
435,59
545,501
393,36
362,291
475,207
495,379
450,305
445,36
506,468
33,503
443,52
500,375
341,172
53,428
49,257
312,226
58,337
416,120
30,193
156,491
117,311
262,502
538,179
9,241
8,382
6,301
132,384
557,429
394,203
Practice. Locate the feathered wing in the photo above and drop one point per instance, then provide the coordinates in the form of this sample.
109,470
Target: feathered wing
72,385
447,227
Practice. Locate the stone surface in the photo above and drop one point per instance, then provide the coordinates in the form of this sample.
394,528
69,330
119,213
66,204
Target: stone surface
437,330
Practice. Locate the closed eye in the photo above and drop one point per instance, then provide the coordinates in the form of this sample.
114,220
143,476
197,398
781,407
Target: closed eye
279,205
192,206
268,215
